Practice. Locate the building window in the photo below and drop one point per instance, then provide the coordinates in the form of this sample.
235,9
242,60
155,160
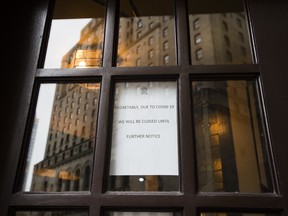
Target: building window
239,22
165,45
241,36
150,53
228,56
151,24
138,62
243,51
139,24
151,40
197,39
165,18
166,59
196,24
227,40
199,54
138,49
138,34
224,26
165,32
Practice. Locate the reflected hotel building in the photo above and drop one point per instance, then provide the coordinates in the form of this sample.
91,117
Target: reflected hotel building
224,107
68,159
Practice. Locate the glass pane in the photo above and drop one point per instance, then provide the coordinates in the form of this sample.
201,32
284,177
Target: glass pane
218,32
144,154
60,155
146,33
52,213
236,214
76,35
230,138
123,213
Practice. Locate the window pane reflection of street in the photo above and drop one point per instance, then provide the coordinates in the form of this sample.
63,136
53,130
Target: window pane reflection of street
76,35
218,33
146,33
232,151
60,156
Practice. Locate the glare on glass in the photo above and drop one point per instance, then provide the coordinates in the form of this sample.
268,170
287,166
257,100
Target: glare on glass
76,35
232,152
60,156
146,33
144,151
218,33
52,213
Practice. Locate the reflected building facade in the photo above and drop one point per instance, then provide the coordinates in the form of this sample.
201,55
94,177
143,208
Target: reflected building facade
142,41
68,158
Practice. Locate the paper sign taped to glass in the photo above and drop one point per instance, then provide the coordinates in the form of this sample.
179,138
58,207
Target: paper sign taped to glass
144,136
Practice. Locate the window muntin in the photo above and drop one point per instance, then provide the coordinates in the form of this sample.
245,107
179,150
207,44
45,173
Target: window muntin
144,124
53,212
219,32
141,213
76,35
224,213
144,25
182,196
232,152
54,164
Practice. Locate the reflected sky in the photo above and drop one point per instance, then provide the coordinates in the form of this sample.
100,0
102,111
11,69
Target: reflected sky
59,43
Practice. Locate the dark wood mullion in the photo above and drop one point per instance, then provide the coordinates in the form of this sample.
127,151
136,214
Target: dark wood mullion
238,201
228,70
102,134
111,33
187,148
182,32
272,56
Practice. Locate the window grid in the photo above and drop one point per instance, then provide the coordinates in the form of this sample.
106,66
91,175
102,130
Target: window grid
115,200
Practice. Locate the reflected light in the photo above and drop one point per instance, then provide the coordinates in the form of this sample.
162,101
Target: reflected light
141,179
82,64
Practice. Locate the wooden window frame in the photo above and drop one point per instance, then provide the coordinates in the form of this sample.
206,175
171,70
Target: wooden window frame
187,200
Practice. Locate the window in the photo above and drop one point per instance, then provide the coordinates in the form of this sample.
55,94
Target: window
196,24
188,136
166,59
227,40
139,24
197,39
241,36
165,45
138,62
199,54
165,32
151,40
150,53
225,26
138,49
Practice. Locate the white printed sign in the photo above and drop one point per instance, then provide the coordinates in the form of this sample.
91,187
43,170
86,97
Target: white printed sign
144,136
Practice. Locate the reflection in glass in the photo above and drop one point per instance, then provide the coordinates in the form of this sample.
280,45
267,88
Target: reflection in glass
60,155
144,152
218,33
76,35
230,138
121,213
52,213
146,33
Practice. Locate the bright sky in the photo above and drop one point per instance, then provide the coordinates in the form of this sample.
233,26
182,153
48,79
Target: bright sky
63,36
